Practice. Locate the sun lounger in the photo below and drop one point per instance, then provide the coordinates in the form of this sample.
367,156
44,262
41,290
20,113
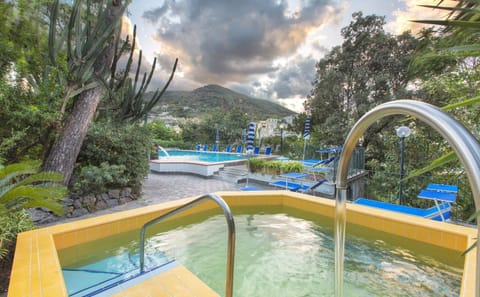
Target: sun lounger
292,186
438,197
199,147
205,148
228,148
443,188
256,150
429,213
239,149
296,187
251,188
214,148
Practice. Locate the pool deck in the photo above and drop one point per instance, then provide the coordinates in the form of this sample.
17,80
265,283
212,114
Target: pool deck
159,188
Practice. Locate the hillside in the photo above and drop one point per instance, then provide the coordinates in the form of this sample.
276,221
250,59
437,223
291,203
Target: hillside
211,98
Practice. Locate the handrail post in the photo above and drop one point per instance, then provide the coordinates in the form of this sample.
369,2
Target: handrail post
231,235
460,139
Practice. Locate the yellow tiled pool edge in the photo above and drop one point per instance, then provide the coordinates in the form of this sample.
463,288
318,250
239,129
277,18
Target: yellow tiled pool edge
36,268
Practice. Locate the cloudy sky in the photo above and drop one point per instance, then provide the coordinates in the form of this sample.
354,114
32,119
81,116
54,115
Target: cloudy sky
263,48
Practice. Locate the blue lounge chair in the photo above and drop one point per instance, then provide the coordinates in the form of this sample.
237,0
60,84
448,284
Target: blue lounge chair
256,150
432,213
239,149
205,147
319,167
439,197
296,187
443,188
214,148
199,147
251,188
228,148
268,151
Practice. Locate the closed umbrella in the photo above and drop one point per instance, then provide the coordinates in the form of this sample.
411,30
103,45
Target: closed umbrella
306,135
250,139
250,136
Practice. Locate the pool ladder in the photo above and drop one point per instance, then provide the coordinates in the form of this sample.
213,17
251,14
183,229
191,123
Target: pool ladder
231,235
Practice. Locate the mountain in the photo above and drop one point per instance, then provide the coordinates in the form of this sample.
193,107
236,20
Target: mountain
212,98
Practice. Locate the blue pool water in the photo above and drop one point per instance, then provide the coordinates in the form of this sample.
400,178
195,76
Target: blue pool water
93,279
211,157
276,255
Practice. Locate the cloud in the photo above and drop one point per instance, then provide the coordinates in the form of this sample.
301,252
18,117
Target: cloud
227,42
404,17
161,74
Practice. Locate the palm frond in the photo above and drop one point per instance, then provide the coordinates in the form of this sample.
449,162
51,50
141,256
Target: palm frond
462,103
437,163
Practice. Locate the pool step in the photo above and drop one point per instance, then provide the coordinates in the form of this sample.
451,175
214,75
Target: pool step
232,174
133,281
113,273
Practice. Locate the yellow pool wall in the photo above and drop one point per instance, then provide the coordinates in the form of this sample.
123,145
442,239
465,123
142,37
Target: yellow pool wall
37,272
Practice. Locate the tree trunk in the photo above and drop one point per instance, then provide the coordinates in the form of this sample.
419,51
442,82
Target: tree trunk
65,150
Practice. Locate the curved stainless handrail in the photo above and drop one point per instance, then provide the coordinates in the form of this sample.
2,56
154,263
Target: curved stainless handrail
231,235
462,141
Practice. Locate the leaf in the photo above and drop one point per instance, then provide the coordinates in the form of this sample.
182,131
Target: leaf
474,245
458,24
474,215
439,162
462,104
45,176
36,196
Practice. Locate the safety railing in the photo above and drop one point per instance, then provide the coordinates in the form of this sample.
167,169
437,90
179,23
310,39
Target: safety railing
231,235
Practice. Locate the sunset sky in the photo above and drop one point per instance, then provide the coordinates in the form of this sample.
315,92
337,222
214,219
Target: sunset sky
265,49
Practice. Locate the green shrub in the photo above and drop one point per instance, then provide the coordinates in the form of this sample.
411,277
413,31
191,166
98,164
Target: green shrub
11,224
124,145
292,166
274,167
257,164
94,180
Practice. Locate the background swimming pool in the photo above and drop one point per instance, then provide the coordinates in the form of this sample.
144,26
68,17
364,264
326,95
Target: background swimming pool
280,254
200,156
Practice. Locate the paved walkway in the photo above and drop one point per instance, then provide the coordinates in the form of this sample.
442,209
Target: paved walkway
160,188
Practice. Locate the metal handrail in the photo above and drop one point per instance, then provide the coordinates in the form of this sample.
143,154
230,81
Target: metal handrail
460,139
231,235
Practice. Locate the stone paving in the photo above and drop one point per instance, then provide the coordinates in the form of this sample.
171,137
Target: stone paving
160,188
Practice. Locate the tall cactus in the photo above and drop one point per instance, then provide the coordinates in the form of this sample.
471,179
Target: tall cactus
127,94
89,41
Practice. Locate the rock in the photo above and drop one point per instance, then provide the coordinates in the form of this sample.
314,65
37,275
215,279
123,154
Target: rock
112,202
126,192
114,193
69,201
89,201
101,205
79,212
103,196
41,216
77,203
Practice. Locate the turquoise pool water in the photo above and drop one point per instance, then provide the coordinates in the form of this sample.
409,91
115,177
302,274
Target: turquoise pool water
212,157
280,254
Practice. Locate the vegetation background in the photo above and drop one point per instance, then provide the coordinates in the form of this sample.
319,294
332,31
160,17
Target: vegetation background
65,103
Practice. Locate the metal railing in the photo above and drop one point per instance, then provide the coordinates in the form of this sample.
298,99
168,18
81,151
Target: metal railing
463,143
231,235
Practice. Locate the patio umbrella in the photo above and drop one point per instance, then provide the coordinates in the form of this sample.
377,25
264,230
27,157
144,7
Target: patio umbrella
306,135
251,136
